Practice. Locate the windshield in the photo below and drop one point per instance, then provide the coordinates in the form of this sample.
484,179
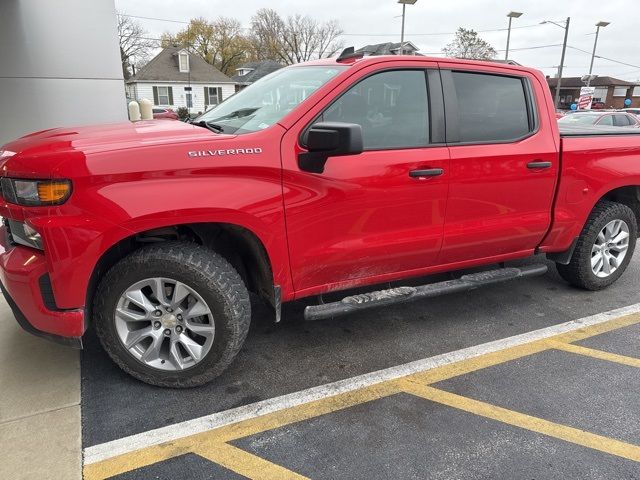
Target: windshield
266,101
580,119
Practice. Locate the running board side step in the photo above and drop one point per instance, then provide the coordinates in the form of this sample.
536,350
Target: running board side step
406,294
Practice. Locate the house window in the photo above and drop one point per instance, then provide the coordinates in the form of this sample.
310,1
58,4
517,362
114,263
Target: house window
162,95
620,91
189,98
600,94
212,96
184,62
636,91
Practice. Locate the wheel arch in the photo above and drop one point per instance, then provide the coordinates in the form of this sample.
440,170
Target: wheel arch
628,195
240,246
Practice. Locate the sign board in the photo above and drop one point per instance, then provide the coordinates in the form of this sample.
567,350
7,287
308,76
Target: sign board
586,98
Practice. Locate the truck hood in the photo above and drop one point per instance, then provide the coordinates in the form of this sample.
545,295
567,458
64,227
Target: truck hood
44,150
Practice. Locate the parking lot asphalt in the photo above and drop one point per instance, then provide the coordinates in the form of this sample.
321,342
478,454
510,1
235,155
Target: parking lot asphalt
452,420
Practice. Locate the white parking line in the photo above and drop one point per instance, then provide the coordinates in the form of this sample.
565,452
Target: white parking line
168,433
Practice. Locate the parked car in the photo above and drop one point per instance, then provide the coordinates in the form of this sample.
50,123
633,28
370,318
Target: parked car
386,168
633,111
608,119
164,113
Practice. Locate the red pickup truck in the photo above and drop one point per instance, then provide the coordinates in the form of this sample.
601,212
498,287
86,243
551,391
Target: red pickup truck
321,177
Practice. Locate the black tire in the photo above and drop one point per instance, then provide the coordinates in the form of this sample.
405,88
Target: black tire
578,272
210,275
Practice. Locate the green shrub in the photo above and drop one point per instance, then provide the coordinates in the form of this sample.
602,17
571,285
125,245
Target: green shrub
183,113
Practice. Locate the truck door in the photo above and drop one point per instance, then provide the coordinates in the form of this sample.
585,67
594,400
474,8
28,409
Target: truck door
371,215
504,164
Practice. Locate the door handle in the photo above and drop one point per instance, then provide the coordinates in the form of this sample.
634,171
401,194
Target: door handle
428,172
538,164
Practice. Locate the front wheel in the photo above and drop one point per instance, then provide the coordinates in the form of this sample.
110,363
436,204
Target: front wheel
604,248
172,314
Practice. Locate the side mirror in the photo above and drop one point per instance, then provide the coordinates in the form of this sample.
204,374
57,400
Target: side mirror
329,139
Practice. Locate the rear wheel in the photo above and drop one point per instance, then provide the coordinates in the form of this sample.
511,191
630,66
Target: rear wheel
604,248
173,314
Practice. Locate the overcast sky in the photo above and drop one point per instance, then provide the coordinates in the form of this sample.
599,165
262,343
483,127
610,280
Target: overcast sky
429,23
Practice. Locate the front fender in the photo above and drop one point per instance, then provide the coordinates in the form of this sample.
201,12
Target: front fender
104,214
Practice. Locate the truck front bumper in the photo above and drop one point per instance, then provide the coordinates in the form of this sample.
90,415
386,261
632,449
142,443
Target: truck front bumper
23,280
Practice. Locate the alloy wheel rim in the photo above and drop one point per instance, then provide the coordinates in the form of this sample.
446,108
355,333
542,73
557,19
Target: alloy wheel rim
164,324
610,248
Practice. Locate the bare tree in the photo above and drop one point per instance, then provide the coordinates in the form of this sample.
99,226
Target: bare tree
295,39
467,44
135,46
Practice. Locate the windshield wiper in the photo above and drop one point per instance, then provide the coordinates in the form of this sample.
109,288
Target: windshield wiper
211,126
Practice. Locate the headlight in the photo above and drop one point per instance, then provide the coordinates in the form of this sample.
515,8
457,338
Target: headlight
35,192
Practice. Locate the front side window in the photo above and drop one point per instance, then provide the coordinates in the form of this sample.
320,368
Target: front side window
606,120
391,107
491,108
266,101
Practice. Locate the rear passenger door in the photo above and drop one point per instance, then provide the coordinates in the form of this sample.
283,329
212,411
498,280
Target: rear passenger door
503,165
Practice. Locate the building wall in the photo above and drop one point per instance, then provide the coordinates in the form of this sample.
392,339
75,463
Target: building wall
140,90
60,65
610,100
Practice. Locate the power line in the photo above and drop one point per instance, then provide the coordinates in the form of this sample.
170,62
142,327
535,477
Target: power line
605,58
154,18
433,33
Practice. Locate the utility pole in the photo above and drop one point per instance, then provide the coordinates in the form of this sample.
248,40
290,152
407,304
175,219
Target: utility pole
511,16
561,66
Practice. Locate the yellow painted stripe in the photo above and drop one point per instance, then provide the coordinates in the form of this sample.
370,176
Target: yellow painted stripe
592,352
207,441
472,364
534,424
133,460
245,463
593,330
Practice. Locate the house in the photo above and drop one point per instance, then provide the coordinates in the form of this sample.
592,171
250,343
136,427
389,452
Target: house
177,78
610,91
252,71
390,48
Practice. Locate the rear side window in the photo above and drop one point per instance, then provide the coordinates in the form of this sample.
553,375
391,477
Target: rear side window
621,121
491,108
391,107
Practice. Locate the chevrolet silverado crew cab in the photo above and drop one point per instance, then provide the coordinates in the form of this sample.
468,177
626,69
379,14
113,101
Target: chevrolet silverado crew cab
325,176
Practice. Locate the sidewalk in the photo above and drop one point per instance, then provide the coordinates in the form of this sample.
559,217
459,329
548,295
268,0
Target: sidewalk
40,435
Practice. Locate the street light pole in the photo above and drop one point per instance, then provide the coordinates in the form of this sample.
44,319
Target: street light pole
404,7
564,50
511,16
595,44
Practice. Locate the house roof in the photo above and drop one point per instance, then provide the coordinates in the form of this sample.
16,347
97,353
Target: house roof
388,48
258,70
576,82
164,68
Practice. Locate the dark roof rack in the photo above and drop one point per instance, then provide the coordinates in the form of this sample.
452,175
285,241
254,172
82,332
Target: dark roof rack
349,53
